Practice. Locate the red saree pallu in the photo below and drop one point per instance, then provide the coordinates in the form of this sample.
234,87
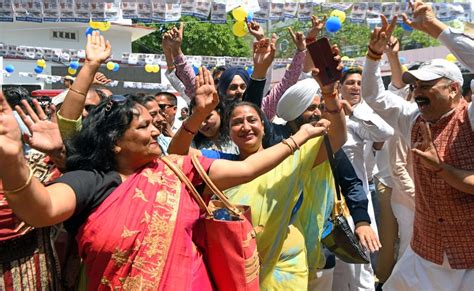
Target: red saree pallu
140,237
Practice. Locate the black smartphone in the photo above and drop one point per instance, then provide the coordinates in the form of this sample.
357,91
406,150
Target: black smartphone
323,59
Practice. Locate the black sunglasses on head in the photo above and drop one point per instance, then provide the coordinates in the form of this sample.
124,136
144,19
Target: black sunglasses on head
115,99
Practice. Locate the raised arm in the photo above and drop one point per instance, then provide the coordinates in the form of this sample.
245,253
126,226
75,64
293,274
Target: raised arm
391,51
173,39
424,19
290,78
317,26
206,100
98,50
30,200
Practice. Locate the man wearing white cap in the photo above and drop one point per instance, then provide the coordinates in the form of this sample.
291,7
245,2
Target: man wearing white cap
301,104
439,127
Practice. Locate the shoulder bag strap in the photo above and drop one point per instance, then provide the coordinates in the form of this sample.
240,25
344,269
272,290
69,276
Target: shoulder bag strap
213,187
188,184
338,207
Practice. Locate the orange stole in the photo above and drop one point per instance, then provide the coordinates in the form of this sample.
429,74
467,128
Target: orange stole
126,241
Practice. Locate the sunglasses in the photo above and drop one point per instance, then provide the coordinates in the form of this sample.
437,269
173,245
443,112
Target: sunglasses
115,99
165,106
89,107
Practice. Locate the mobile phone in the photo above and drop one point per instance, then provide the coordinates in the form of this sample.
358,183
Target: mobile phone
323,59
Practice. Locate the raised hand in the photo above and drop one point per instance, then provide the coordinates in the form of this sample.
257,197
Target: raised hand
98,50
393,46
381,35
263,56
10,135
330,88
175,37
424,19
101,79
206,95
298,39
315,129
317,26
45,136
426,150
256,30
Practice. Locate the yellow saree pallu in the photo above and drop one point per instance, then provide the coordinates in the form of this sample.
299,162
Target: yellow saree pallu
272,197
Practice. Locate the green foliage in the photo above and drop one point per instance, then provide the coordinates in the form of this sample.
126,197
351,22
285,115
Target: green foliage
200,38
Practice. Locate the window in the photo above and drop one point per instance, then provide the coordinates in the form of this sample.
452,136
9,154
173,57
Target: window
64,35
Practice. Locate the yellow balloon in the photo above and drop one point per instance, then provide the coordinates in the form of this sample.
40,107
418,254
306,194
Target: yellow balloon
110,66
41,63
104,26
156,68
71,71
239,28
339,14
94,24
404,68
451,58
239,13
345,58
149,68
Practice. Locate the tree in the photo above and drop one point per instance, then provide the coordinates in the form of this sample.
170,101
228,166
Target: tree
200,38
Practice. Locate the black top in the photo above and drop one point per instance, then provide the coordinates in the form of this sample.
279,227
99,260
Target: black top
91,189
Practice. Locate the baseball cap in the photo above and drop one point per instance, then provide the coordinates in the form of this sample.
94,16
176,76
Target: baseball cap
434,69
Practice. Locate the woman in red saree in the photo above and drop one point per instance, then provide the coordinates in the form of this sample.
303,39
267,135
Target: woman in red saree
133,218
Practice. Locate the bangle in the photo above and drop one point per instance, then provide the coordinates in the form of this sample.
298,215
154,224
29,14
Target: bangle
371,50
293,140
188,130
331,95
77,91
371,57
292,150
338,110
27,183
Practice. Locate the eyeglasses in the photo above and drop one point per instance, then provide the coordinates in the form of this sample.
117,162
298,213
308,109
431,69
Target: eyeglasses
165,106
115,99
314,107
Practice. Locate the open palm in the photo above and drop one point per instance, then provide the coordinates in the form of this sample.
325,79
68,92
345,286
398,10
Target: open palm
97,48
206,95
45,136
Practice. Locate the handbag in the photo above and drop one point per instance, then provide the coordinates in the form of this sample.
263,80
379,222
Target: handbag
229,246
337,235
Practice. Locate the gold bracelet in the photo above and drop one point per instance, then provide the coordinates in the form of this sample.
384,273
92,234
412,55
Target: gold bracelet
77,91
28,182
373,58
293,140
292,150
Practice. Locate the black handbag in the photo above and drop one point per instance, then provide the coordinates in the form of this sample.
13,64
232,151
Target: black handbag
337,235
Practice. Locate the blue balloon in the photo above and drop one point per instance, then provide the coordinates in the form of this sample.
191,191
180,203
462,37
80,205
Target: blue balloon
196,70
402,60
250,70
38,70
249,16
74,65
406,27
333,24
116,67
10,69
89,30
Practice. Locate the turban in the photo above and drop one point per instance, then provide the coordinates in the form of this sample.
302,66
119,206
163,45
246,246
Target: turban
297,99
227,77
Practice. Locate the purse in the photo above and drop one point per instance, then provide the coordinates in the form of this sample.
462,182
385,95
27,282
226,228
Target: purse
337,235
229,246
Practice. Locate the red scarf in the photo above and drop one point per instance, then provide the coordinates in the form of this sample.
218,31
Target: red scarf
139,238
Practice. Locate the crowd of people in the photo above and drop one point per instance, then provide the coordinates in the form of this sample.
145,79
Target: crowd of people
87,202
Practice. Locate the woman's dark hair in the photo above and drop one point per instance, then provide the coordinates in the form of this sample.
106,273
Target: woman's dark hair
199,138
232,106
15,94
92,147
